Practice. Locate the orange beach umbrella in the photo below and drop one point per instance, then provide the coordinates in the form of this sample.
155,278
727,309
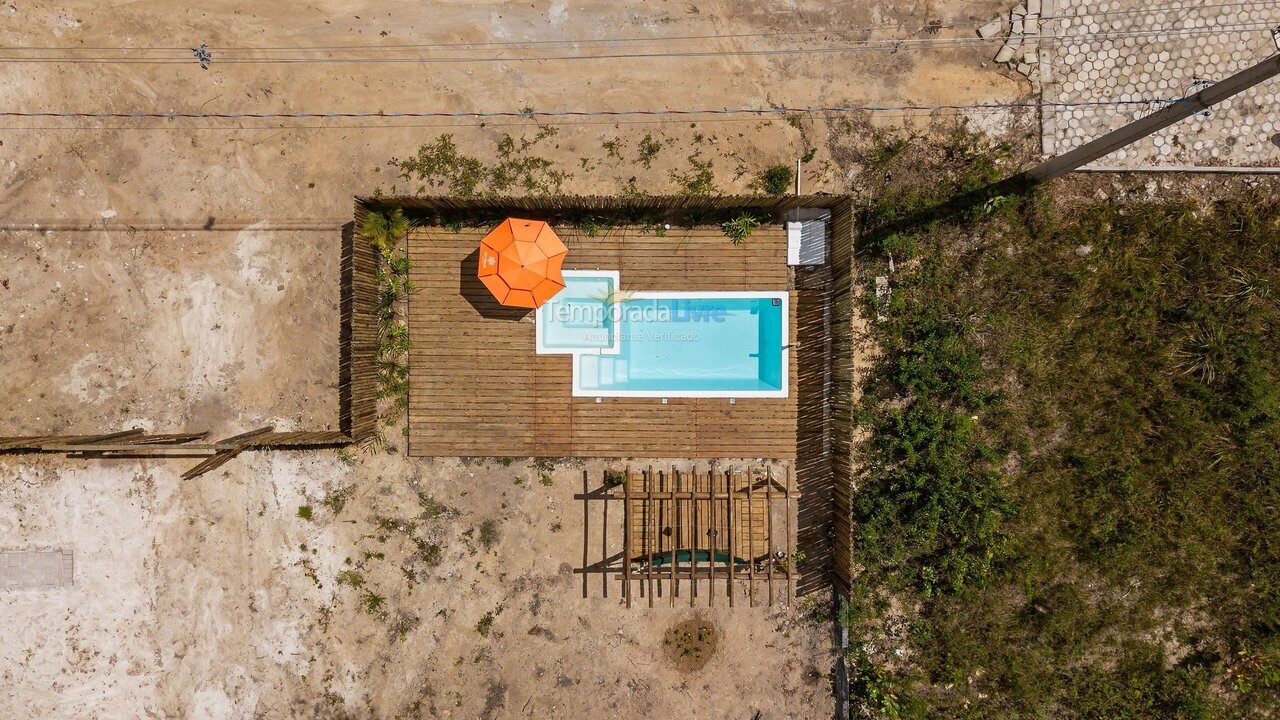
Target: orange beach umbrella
520,262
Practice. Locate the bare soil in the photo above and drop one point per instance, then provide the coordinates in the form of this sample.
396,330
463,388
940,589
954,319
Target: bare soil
183,275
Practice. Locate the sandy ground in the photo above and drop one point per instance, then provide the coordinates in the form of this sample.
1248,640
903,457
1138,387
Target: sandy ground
183,275
214,599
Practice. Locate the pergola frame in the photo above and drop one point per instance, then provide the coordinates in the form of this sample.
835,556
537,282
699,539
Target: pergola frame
693,528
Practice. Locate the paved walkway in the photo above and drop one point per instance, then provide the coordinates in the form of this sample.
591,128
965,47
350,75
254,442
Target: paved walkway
36,570
1138,49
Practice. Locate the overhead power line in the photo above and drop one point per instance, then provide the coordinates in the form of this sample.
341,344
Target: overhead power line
538,114
891,45
649,39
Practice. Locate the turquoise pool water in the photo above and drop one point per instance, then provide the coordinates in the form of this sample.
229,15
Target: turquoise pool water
578,317
705,344
666,344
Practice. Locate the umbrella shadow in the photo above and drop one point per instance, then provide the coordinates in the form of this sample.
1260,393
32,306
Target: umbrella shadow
475,292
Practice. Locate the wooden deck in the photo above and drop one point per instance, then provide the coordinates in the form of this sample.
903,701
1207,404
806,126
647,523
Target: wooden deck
477,388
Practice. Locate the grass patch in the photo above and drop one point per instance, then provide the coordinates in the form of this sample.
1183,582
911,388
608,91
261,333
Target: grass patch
304,512
1069,496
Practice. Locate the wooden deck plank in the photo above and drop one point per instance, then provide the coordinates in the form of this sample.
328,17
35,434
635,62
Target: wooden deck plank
461,404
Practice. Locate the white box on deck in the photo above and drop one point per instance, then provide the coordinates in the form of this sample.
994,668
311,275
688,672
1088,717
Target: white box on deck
807,236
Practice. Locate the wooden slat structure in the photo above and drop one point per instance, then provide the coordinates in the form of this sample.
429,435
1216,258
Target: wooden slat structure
358,337
692,529
136,443
477,388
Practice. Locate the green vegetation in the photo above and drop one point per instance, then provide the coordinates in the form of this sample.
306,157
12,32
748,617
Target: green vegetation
776,180
649,149
489,534
485,625
386,232
439,165
373,603
740,226
351,577
304,512
700,179
1069,497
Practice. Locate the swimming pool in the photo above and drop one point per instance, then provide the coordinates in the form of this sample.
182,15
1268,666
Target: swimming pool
666,344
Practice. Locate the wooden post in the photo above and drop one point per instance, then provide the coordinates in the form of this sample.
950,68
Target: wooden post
674,485
627,511
714,532
586,530
650,523
728,486
751,534
693,536
604,537
791,570
768,505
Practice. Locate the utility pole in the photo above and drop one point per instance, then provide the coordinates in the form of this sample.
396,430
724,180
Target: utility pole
1138,129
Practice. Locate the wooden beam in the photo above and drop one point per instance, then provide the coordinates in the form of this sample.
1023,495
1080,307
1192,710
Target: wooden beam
674,481
790,548
728,486
768,506
89,439
237,439
213,463
626,537
599,566
715,540
650,523
685,575
693,537
657,495
604,535
751,533
241,441
586,532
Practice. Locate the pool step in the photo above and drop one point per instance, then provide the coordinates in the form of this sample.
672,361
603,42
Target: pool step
604,370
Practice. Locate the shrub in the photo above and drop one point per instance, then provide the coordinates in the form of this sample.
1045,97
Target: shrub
776,180
740,227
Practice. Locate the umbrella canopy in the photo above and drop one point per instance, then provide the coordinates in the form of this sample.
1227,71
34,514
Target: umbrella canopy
520,262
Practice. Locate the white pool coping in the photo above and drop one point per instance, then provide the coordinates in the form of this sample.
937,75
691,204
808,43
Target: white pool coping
615,346
782,295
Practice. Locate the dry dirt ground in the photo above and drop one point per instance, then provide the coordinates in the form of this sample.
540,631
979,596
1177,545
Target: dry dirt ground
183,275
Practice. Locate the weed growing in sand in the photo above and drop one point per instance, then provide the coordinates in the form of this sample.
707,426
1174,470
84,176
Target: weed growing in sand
700,179
649,149
485,625
489,534
351,578
439,164
304,512
373,603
